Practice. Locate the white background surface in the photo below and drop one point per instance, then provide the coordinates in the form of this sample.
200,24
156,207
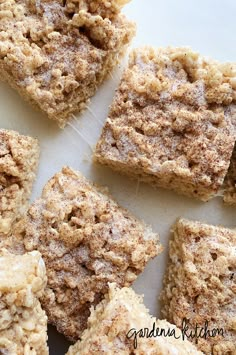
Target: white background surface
208,26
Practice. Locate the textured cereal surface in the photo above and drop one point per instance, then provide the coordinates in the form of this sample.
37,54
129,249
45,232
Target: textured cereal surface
23,323
56,53
18,163
230,182
200,283
172,120
111,321
86,241
14,241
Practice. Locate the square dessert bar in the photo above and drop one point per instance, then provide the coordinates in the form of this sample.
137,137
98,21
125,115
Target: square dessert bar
172,122
112,326
23,323
19,157
200,284
56,52
86,241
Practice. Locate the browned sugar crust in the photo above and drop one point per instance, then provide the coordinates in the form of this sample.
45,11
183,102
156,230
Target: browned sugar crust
172,120
23,323
56,53
200,283
114,317
86,241
230,181
19,157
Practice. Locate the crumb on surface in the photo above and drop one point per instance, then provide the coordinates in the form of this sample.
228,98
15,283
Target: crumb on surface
172,121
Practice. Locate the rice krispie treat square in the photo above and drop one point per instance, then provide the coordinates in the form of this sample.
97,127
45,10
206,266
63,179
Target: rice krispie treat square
19,157
112,326
200,284
23,323
172,121
230,182
55,53
86,241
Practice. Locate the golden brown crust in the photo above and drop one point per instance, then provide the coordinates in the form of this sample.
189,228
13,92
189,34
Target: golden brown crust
19,157
200,282
86,241
56,53
172,121
113,318
23,323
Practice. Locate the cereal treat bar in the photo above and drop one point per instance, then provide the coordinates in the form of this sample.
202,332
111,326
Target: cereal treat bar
56,52
200,285
230,182
23,323
172,122
19,157
112,326
86,241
